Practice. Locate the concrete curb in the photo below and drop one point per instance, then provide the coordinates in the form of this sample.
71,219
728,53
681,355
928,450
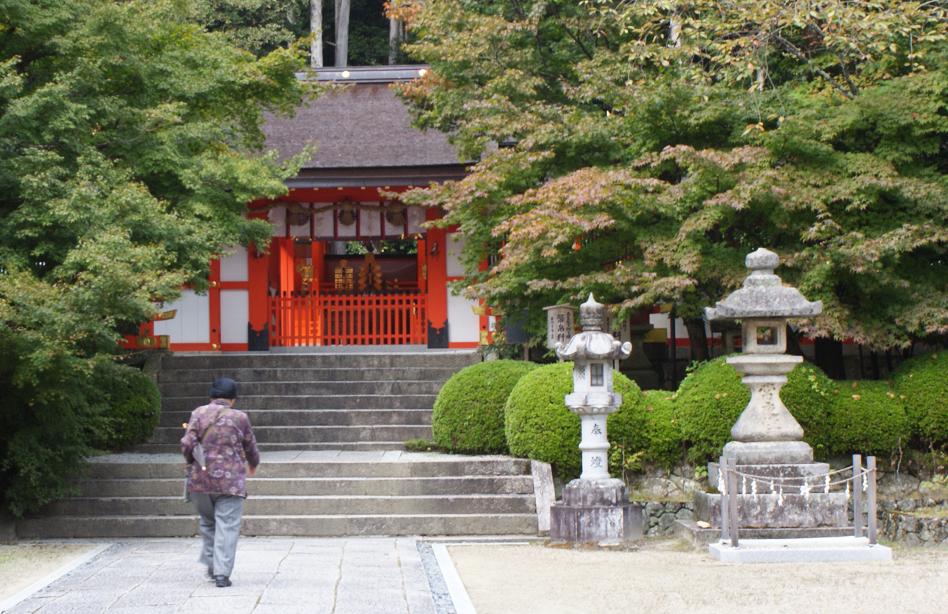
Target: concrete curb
460,598
42,583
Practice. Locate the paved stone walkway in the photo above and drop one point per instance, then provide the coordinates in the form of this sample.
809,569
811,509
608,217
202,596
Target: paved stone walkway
271,576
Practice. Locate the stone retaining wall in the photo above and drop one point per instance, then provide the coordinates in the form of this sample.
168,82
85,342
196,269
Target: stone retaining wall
659,516
903,521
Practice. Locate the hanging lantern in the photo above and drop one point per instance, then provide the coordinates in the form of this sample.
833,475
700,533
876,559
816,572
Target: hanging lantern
347,213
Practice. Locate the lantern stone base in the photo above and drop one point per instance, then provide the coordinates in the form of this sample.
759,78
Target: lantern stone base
769,510
595,511
769,452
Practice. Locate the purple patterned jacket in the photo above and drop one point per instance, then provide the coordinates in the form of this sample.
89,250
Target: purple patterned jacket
228,448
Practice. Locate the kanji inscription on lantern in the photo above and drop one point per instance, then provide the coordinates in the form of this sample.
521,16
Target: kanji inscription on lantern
596,430
595,461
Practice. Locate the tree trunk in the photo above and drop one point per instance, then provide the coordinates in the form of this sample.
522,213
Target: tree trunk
828,355
697,338
316,29
342,32
396,33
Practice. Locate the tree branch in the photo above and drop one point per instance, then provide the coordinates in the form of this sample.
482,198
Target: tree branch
795,51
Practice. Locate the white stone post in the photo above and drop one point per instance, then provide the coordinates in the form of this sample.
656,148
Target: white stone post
595,447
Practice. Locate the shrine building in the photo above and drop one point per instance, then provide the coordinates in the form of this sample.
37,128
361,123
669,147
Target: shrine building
348,264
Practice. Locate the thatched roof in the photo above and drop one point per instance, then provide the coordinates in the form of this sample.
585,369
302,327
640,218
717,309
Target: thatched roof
363,125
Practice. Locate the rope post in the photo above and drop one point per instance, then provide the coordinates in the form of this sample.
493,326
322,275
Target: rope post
871,499
732,498
725,521
857,495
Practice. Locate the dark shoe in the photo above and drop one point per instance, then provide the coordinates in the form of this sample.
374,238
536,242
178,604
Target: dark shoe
222,581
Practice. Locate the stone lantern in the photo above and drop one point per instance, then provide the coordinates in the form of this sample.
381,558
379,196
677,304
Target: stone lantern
766,432
595,507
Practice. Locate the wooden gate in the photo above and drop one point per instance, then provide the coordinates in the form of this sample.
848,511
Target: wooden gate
348,319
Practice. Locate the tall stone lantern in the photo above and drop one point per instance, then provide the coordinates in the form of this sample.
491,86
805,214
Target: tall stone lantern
766,432
595,507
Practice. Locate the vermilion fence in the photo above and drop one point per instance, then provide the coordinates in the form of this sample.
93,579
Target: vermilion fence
348,319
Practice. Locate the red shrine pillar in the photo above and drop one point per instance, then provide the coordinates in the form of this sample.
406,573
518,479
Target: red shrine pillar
436,246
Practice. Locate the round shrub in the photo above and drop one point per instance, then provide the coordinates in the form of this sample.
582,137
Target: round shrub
128,405
662,429
539,426
922,385
712,397
469,411
810,395
868,418
708,402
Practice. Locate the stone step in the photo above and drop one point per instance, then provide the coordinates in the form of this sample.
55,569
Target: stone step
303,388
250,360
380,487
342,401
112,527
315,434
204,377
297,505
318,417
319,465
689,531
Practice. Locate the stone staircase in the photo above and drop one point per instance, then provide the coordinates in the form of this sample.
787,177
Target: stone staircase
330,428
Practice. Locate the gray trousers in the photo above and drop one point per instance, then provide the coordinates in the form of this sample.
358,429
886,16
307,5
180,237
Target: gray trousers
220,528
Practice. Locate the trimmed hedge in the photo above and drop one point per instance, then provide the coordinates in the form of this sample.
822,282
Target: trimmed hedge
468,414
127,406
868,418
922,384
539,426
710,399
662,429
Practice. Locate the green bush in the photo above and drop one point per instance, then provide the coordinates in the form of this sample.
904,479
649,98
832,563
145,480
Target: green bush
662,430
868,418
128,406
922,384
468,414
810,395
711,398
539,426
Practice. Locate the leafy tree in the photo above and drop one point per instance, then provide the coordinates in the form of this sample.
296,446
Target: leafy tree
640,150
128,139
259,26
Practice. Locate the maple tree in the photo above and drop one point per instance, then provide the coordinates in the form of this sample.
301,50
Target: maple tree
641,149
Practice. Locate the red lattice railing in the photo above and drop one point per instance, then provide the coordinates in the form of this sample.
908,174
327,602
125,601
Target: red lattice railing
348,319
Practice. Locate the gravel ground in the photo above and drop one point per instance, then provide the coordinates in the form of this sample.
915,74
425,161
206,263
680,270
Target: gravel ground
23,564
663,577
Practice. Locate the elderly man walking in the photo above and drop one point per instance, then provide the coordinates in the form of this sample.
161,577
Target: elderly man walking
221,452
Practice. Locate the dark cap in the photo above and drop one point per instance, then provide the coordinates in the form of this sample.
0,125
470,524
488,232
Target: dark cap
223,388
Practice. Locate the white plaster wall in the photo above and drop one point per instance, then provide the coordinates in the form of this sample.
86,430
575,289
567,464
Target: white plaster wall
455,245
192,322
234,266
416,216
277,217
370,223
235,313
463,323
323,222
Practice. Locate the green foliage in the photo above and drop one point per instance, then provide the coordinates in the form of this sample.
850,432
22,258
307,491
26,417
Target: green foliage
810,395
469,411
708,402
130,143
127,403
666,154
710,399
421,445
922,385
869,418
539,426
663,431
259,26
